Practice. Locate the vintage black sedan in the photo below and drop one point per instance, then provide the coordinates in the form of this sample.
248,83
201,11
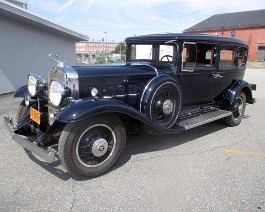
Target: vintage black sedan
170,83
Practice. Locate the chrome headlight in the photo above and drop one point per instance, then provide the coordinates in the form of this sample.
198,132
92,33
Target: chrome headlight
58,91
35,84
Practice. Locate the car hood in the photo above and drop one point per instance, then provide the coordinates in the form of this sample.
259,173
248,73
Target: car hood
128,69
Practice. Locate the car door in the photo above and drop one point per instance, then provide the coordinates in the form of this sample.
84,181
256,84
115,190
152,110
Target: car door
225,72
196,76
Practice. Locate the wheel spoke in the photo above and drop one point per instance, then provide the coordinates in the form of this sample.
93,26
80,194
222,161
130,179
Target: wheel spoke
95,146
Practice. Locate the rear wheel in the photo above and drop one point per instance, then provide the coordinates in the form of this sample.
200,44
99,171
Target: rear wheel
237,111
91,147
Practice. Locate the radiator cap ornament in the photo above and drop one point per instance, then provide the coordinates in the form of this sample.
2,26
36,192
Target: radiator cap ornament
54,58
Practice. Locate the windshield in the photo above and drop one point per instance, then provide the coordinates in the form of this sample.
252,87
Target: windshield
153,52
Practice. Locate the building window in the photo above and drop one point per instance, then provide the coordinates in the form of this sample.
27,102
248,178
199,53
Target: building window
233,34
261,53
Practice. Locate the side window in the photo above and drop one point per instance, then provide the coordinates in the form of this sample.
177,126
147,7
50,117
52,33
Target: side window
189,56
166,53
205,55
197,55
227,56
242,57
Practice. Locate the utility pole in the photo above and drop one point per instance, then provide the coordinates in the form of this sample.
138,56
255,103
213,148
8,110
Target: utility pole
106,40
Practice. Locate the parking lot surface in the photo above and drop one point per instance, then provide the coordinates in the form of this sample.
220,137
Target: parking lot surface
208,168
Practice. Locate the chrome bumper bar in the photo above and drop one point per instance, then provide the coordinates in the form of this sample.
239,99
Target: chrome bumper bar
24,142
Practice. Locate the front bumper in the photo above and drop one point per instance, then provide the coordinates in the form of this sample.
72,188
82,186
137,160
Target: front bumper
23,141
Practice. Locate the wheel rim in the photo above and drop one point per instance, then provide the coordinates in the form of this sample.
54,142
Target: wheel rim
239,108
163,107
96,145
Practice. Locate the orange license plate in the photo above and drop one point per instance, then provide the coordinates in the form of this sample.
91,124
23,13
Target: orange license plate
35,115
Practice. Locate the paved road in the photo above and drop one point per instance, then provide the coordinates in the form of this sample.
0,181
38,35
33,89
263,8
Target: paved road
209,168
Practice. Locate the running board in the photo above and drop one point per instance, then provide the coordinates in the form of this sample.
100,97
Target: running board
204,119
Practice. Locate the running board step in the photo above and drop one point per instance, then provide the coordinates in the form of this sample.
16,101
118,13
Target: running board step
204,119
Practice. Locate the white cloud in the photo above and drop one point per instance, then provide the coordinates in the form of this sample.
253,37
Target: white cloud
66,6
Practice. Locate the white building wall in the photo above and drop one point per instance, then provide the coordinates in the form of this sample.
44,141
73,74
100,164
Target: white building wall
25,48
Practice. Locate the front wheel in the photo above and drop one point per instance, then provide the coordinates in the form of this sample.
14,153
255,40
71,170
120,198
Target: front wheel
90,147
237,111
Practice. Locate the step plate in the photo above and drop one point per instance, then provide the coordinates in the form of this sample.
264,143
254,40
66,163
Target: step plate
204,119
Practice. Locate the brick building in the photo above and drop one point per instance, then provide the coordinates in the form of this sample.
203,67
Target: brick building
87,52
248,26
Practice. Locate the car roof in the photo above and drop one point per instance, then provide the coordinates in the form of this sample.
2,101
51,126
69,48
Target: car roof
183,36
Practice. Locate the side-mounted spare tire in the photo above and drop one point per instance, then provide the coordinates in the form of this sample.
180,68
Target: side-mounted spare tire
161,100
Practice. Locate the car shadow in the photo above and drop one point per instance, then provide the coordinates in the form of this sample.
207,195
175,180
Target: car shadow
54,168
152,143
137,145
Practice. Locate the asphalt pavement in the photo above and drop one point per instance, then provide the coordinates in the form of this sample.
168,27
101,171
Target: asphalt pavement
208,168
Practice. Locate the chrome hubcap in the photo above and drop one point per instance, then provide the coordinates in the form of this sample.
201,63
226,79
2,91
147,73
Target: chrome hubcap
168,107
239,108
100,147
95,145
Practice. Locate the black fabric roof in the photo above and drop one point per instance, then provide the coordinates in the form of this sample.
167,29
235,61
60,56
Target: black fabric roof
181,36
247,19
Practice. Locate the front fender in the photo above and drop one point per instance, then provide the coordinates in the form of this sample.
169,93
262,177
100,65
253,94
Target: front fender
237,87
88,107
22,92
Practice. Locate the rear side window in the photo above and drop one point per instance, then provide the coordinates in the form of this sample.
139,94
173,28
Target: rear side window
227,56
205,54
242,57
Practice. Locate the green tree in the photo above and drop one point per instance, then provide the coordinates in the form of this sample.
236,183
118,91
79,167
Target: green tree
100,60
133,51
120,49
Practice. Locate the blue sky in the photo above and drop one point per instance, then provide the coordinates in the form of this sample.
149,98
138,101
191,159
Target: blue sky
124,18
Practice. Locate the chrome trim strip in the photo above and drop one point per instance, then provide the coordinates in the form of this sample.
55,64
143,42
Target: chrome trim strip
229,113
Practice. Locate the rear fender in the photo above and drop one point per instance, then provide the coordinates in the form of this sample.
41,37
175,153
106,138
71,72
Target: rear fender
236,88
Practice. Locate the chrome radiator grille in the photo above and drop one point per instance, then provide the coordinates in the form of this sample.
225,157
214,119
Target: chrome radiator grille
68,76
57,73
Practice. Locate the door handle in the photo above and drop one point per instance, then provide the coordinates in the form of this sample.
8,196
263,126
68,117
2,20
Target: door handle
217,76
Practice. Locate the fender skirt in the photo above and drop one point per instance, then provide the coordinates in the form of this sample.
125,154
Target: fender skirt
86,108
